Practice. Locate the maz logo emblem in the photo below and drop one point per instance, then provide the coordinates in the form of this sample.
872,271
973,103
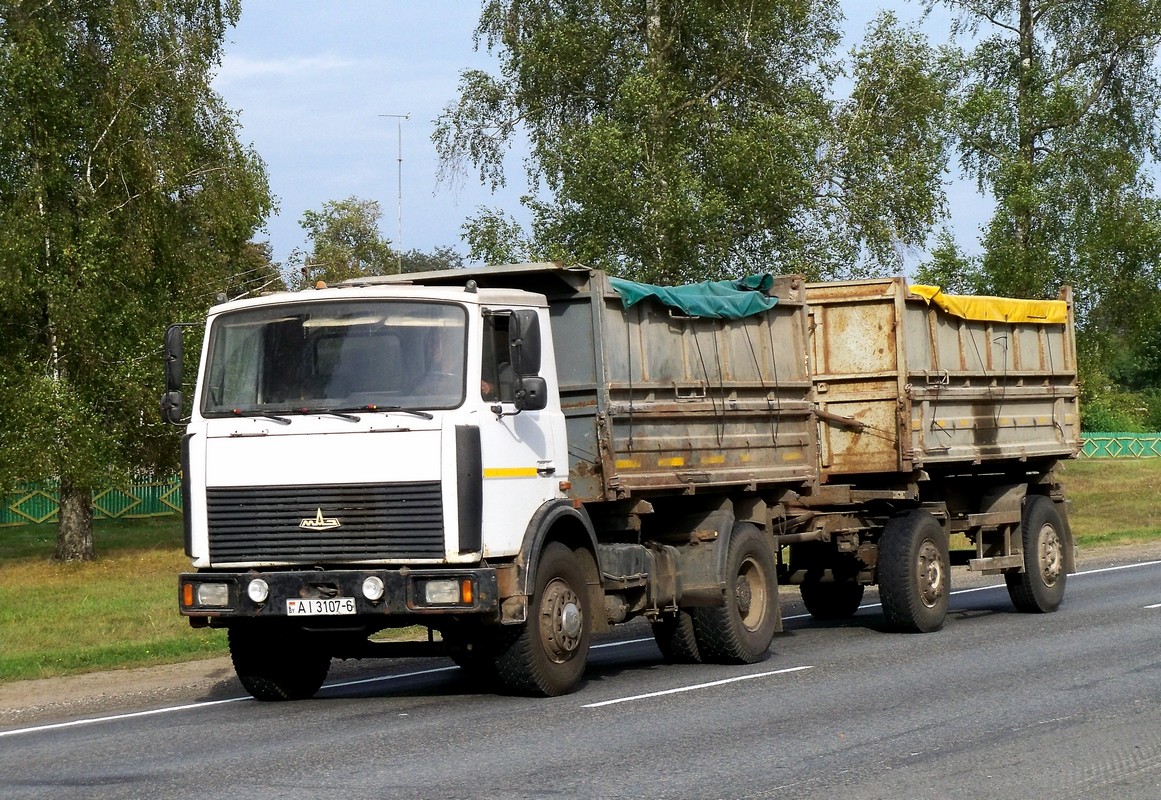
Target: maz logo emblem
320,523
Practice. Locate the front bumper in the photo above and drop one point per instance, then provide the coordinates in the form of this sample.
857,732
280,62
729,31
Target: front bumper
405,594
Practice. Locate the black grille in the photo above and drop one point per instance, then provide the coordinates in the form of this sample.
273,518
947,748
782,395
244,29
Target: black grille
264,523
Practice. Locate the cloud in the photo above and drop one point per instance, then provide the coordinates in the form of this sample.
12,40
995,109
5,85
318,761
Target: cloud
244,68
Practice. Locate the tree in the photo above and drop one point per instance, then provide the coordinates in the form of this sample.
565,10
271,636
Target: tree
345,242
1055,117
255,271
686,140
439,258
125,198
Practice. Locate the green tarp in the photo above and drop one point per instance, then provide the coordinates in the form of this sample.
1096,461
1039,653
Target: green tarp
718,299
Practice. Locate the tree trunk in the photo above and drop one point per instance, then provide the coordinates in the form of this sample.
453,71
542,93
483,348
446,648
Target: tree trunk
74,535
1025,97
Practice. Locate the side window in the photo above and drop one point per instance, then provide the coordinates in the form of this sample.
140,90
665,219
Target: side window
496,373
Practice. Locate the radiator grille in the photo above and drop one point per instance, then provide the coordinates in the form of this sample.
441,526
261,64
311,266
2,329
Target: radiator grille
263,523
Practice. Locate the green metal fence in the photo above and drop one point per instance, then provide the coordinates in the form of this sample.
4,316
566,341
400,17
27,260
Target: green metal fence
37,503
1121,445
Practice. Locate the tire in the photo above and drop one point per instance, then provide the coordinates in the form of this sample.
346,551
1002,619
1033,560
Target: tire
469,647
675,638
830,601
914,573
1039,589
545,656
740,630
278,664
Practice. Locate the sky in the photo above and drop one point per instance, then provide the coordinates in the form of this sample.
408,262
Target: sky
320,87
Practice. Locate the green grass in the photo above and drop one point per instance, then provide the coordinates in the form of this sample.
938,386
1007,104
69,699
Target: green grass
1114,501
121,610
117,611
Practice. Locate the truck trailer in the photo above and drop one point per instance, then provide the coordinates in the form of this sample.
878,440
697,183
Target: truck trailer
518,457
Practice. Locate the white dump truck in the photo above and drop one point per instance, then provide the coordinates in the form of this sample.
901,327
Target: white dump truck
517,457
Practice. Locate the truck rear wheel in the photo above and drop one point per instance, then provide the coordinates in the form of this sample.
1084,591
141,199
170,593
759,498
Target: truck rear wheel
1039,588
277,663
740,630
546,655
827,601
675,638
914,570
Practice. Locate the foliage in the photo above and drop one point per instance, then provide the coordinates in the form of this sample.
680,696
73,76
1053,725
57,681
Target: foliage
685,140
125,199
439,258
345,242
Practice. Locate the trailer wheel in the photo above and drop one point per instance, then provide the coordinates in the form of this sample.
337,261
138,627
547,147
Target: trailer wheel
914,570
277,664
546,655
1039,589
829,601
740,630
676,639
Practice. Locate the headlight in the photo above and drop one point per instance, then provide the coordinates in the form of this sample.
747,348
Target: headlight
213,594
373,588
442,592
258,590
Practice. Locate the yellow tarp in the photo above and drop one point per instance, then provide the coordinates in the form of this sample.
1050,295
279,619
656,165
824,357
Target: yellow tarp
995,309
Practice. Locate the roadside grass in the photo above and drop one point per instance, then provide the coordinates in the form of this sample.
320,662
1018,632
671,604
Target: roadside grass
120,610
117,611
1115,501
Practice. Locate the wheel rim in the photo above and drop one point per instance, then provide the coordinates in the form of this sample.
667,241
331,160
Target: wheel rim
930,573
1051,554
561,623
750,594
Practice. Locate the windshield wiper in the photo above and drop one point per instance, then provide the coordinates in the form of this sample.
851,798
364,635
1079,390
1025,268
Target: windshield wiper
341,413
372,408
239,412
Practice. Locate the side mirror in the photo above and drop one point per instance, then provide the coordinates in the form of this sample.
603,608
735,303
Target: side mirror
524,343
531,393
172,407
173,358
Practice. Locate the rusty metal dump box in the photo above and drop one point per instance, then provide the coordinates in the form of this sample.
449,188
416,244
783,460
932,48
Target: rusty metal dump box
903,385
659,401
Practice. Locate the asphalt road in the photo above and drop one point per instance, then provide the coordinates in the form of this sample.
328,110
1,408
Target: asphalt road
996,705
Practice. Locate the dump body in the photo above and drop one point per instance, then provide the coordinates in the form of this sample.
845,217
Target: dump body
658,402
902,384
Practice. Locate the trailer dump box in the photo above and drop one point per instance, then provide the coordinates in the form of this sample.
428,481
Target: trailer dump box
904,379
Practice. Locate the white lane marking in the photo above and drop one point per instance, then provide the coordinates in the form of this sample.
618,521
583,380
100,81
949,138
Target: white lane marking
206,704
78,722
1155,605
621,644
696,686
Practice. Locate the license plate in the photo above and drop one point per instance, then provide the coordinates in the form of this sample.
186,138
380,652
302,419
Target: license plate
316,606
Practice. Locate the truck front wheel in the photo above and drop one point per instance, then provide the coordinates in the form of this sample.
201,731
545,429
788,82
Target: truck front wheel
277,663
1040,587
740,630
914,572
546,655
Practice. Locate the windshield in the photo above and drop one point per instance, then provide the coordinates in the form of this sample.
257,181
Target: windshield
326,356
